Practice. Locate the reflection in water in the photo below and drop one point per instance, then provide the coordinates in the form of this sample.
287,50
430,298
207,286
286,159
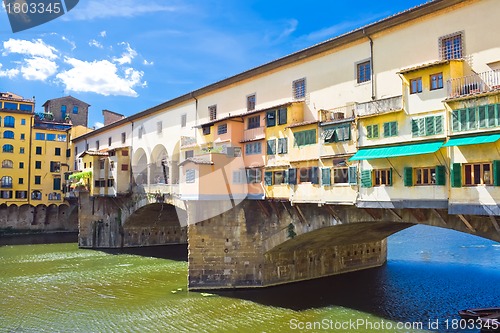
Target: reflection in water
60,288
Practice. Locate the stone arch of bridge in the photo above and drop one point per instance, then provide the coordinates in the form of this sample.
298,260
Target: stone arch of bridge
140,167
159,165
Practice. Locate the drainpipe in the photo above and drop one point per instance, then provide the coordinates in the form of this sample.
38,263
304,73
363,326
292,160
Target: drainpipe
371,64
196,114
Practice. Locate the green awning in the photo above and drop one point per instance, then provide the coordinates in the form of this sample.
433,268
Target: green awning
472,140
396,151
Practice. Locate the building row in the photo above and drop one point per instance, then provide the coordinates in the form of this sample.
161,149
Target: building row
402,113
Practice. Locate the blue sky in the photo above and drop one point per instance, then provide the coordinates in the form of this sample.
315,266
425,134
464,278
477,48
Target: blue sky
127,56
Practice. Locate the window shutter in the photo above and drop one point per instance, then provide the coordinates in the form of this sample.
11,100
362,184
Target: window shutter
315,175
483,123
375,131
456,175
271,147
471,114
352,175
285,176
429,126
455,123
271,118
366,178
57,184
326,176
268,178
387,129
440,175
408,176
439,124
369,132
390,177
292,176
414,127
282,116
492,118
496,173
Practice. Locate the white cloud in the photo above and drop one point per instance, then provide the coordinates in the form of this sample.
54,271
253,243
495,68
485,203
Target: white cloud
98,124
148,63
35,48
101,77
70,42
38,68
9,73
102,33
95,43
127,56
111,8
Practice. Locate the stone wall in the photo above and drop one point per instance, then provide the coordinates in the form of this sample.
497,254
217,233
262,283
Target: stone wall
27,218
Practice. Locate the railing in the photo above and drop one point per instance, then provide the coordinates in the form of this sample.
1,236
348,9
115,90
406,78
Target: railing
187,141
383,105
474,84
254,134
338,113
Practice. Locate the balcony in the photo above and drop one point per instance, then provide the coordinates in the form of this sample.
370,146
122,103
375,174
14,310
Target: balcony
254,134
187,141
338,113
379,106
474,84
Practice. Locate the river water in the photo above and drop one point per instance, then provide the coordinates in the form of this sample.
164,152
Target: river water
431,273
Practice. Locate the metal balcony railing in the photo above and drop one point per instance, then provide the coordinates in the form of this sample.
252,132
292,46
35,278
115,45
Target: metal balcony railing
474,84
383,105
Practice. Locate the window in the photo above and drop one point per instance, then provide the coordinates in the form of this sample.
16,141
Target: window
416,85
484,116
111,182
23,136
140,132
51,137
206,130
125,152
478,174
212,111
183,120
21,165
102,164
6,182
363,71
427,126
254,176
21,194
23,121
63,112
36,195
21,150
188,154
56,185
253,148
251,102
6,194
8,148
38,164
425,176
337,134
21,181
40,136
9,121
305,137
280,177
190,176
38,180
282,145
97,145
253,122
61,137
341,175
7,164
124,137
271,147
8,135
436,81
309,175
451,46
75,109
271,118
38,150
239,177
390,129
299,88
124,167
109,142
382,177
282,116
159,127
10,106
372,131
222,129
326,176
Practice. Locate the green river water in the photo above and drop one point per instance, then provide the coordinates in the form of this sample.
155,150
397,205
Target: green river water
60,288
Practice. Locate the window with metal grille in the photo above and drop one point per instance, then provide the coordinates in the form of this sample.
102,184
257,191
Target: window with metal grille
251,102
222,129
212,111
451,46
299,88
363,71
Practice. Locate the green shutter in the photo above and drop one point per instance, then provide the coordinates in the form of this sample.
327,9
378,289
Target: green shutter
429,126
352,175
440,175
472,120
268,178
366,178
387,129
314,175
282,116
496,173
439,124
483,116
375,131
369,131
271,118
57,184
414,127
390,177
492,119
271,147
408,176
292,176
455,121
326,176
456,175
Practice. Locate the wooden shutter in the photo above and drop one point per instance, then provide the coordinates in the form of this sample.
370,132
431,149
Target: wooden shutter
352,175
439,124
268,178
366,178
414,127
271,118
408,176
440,175
456,175
282,116
496,173
326,177
271,147
292,176
390,177
314,175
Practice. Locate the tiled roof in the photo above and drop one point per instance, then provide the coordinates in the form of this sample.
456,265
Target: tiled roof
197,160
431,64
303,123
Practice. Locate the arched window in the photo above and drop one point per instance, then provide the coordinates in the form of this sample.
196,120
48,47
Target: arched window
36,195
9,121
8,135
6,182
7,164
8,148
